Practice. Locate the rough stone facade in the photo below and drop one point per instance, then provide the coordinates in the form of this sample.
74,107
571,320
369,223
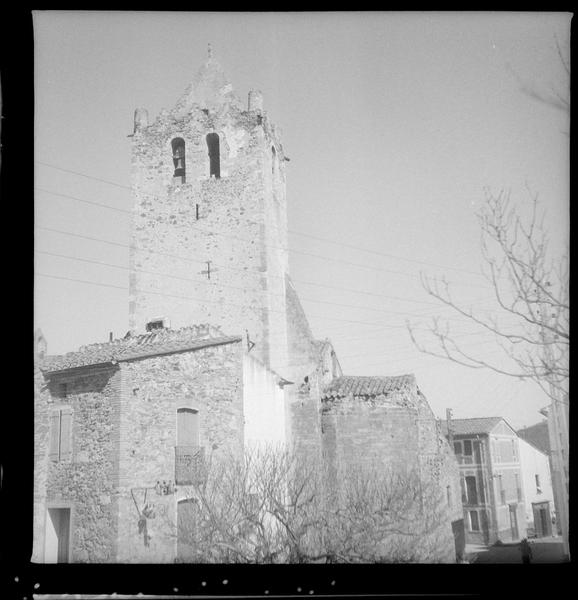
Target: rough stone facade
386,421
208,380
85,480
236,220
124,439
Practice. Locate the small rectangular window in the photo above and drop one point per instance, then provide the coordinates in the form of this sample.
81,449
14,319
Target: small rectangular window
474,521
501,490
467,447
478,453
156,324
538,489
471,489
458,447
60,444
518,488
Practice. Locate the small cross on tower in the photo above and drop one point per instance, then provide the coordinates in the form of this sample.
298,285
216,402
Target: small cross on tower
208,270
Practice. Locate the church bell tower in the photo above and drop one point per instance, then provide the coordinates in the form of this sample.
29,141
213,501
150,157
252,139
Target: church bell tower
209,224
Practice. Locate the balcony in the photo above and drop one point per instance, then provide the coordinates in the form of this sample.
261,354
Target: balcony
190,467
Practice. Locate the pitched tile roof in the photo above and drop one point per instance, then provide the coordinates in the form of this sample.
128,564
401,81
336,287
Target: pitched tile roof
160,341
471,426
537,435
367,386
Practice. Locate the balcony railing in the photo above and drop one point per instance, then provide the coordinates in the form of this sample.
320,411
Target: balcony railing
190,467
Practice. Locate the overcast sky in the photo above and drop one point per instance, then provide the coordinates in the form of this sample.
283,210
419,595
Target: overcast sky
394,124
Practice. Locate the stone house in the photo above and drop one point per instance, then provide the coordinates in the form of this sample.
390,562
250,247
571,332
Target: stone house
492,492
123,428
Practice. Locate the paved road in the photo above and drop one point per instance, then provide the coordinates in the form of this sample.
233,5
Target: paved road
544,550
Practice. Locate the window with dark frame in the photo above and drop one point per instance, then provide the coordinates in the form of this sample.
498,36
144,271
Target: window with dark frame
474,521
467,447
156,324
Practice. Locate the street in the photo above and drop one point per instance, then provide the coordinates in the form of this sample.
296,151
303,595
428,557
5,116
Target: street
544,550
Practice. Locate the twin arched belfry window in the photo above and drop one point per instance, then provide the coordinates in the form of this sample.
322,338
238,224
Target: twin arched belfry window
178,148
214,155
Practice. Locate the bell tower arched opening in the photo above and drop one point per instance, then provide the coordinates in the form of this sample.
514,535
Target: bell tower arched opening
214,155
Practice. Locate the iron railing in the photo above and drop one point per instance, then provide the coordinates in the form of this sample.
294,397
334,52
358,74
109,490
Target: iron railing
190,466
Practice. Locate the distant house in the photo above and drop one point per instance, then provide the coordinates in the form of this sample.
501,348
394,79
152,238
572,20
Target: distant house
488,454
538,493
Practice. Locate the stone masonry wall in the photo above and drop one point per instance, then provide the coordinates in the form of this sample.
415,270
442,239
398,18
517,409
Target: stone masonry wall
241,229
86,482
399,433
370,430
440,476
208,380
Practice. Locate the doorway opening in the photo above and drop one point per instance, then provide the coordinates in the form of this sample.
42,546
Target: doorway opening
57,544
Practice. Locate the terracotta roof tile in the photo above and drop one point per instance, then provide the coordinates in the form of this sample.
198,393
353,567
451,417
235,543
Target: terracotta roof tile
471,426
367,386
162,341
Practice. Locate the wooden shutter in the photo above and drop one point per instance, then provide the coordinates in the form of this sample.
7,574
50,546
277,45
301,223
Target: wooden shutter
54,443
66,434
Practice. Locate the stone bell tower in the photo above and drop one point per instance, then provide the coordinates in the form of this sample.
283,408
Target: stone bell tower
209,227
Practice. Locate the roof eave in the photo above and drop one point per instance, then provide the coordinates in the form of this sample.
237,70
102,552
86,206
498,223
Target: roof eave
218,342
106,364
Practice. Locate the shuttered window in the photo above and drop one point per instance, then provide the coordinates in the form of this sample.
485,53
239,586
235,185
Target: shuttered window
61,434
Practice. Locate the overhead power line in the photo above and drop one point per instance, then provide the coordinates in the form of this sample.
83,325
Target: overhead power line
370,251
249,241
220,303
228,267
219,284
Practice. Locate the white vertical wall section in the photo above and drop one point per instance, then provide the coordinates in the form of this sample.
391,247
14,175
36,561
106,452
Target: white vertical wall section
535,462
51,540
264,405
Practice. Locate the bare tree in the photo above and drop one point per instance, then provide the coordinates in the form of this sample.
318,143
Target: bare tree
273,506
530,317
554,95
